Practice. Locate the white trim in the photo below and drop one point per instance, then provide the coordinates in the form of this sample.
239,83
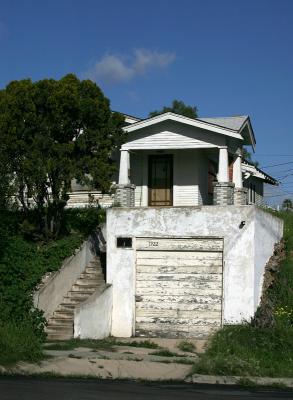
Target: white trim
251,134
185,120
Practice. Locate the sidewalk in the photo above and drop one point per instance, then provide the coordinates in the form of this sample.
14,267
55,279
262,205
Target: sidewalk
128,361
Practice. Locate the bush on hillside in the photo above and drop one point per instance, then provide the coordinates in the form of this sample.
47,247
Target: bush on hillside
19,342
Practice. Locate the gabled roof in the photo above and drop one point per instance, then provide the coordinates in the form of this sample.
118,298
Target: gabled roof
251,169
185,120
234,123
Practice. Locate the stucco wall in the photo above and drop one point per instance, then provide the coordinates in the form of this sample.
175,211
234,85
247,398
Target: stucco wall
92,318
51,293
244,261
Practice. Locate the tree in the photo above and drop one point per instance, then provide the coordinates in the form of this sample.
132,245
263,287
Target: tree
248,157
51,132
287,204
177,107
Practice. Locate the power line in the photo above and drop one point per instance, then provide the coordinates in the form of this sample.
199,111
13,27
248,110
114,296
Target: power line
278,195
274,155
277,165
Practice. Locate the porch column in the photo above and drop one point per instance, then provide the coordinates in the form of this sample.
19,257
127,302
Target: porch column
124,167
223,189
240,193
223,165
237,172
125,191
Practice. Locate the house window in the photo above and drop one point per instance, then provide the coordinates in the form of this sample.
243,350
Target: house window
212,177
251,193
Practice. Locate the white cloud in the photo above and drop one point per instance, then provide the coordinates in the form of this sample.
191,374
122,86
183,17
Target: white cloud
113,68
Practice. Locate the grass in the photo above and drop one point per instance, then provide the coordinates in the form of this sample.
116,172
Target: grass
104,344
18,342
186,346
165,353
147,344
247,350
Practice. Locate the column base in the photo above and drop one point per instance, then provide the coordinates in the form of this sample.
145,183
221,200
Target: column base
240,196
124,195
223,193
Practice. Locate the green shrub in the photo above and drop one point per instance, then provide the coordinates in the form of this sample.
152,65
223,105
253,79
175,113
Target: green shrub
18,342
186,346
246,350
84,220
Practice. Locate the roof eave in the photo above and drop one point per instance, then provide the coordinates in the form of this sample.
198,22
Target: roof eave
180,118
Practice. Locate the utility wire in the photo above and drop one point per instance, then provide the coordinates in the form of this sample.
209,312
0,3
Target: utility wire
277,165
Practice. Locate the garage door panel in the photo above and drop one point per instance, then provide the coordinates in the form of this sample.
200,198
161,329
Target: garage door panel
178,306
156,314
153,330
188,269
165,290
179,244
147,277
171,255
176,301
199,285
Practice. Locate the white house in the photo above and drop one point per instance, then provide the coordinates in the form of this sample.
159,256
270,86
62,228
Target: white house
172,160
186,243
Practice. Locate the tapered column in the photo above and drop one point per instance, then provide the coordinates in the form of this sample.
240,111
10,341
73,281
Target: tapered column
223,189
223,165
125,191
237,172
240,193
124,167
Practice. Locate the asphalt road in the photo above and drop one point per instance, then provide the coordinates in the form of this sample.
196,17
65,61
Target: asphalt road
75,389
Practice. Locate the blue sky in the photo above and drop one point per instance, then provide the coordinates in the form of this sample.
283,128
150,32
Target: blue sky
227,57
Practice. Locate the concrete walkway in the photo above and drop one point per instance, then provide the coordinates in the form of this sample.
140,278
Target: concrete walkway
125,361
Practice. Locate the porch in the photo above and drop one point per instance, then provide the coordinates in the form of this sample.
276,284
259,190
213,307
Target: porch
180,177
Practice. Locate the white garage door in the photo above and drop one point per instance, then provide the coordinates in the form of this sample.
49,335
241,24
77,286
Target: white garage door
178,287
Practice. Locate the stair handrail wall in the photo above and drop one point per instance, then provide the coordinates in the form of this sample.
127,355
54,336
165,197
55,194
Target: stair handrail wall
50,295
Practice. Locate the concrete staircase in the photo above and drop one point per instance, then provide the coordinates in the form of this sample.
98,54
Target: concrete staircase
61,324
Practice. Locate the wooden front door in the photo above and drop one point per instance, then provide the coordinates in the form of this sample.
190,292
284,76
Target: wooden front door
161,180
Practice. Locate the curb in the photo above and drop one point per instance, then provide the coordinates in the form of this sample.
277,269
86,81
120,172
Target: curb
240,380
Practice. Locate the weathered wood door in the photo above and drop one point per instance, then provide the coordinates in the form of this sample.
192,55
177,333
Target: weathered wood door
178,287
161,180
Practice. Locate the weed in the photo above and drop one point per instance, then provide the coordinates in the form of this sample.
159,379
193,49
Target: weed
165,353
104,344
186,346
18,342
144,343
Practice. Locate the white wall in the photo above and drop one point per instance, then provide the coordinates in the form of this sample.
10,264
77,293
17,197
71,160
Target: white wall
190,177
93,317
244,259
51,293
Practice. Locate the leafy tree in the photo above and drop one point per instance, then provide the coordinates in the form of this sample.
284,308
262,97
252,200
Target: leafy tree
247,156
287,204
177,107
51,132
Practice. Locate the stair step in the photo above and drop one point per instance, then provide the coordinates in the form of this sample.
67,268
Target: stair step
64,314
59,336
60,330
59,321
84,288
80,294
92,275
91,270
89,282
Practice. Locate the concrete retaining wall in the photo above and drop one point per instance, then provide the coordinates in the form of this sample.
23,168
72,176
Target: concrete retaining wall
92,319
51,294
249,235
